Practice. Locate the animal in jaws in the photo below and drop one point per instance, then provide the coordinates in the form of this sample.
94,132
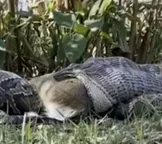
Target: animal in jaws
62,100
114,80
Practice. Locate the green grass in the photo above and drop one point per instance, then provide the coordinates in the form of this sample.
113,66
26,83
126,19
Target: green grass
104,131
141,130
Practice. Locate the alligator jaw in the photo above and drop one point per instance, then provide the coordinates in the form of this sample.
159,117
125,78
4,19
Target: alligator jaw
68,72
64,74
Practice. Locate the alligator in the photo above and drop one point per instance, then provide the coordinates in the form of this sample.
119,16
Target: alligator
112,85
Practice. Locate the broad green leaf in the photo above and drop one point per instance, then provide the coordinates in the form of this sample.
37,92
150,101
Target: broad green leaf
82,13
74,46
81,29
61,53
122,34
105,4
106,36
94,24
94,8
2,53
64,19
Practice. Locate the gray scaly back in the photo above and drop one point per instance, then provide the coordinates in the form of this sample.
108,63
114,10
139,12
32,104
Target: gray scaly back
15,91
21,98
113,80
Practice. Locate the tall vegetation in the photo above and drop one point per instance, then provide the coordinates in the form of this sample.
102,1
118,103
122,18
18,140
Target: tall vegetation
55,33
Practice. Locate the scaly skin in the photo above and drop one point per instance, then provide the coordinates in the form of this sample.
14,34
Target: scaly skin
105,83
18,97
17,92
114,80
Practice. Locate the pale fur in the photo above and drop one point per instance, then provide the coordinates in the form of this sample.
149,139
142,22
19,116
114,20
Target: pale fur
60,112
53,98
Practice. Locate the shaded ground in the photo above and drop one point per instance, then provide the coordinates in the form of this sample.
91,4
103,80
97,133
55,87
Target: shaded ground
140,130
106,131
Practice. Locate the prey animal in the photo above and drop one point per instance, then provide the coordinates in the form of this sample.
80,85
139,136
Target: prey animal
61,99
